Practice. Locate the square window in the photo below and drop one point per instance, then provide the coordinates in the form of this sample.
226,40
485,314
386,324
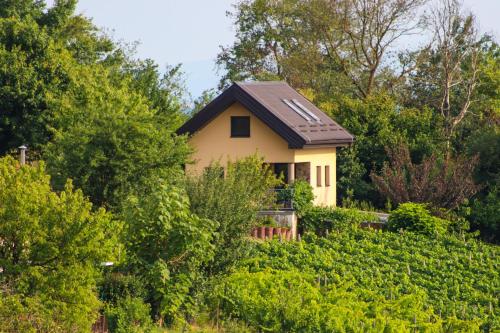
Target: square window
240,127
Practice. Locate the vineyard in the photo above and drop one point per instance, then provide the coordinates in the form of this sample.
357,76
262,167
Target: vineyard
360,280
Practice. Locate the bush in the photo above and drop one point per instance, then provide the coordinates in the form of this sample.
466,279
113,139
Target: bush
129,315
485,215
319,219
302,196
233,201
417,218
117,284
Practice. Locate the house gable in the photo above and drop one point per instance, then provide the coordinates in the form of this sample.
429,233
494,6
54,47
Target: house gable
271,103
214,142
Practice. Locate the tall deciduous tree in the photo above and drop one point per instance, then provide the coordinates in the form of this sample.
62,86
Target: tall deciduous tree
39,52
457,48
304,42
52,245
111,142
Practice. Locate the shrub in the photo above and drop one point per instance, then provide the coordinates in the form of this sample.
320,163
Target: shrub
302,196
117,284
129,315
233,201
443,181
416,217
485,216
319,219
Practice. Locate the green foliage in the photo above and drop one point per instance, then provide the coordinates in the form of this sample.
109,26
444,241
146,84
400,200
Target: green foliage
206,97
357,275
321,219
50,240
302,196
167,246
300,193
290,301
266,221
100,118
41,54
378,122
485,215
25,314
129,315
116,285
164,93
486,144
114,144
417,218
232,200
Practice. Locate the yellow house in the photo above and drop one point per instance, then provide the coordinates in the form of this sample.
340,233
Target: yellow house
272,120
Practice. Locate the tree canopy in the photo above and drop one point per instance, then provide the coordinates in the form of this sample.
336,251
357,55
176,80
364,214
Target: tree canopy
52,247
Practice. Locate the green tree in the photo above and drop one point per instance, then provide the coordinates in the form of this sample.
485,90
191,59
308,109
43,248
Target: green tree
330,46
206,97
167,245
52,247
111,142
40,52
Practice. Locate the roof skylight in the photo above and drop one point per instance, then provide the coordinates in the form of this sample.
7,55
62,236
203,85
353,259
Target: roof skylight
306,110
297,109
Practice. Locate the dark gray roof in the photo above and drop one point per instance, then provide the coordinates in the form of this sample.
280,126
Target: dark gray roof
266,101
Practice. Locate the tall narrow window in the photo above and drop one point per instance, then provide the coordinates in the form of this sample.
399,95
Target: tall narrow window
240,127
318,176
327,175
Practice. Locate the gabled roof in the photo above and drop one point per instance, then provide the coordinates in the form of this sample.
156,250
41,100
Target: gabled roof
270,102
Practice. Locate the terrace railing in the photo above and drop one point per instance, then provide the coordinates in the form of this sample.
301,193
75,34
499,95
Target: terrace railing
284,199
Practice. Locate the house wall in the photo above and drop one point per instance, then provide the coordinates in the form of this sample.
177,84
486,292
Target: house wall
324,195
214,143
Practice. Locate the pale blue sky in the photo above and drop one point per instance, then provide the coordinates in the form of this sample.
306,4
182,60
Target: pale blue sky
191,31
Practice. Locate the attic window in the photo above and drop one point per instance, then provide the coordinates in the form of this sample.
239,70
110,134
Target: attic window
240,127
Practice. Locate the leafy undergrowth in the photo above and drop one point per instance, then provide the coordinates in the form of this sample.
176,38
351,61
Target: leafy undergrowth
360,280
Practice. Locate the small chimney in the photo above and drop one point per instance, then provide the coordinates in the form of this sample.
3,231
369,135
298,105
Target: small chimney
22,154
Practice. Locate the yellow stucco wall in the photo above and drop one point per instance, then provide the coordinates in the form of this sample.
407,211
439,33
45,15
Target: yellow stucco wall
214,143
324,195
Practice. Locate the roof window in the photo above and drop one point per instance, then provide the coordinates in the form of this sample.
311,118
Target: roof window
306,110
297,109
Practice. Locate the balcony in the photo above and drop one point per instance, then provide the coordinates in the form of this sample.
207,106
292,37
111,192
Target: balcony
282,212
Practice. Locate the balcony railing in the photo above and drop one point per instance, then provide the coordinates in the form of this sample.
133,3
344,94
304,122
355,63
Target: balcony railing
284,199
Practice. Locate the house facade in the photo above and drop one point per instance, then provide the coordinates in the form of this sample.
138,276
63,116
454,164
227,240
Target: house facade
274,121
